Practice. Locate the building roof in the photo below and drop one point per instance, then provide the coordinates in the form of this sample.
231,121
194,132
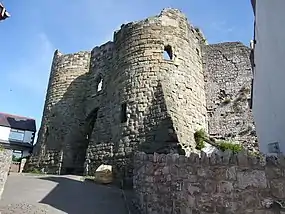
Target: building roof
17,122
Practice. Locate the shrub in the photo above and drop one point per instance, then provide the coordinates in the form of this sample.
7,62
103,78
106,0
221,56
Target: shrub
224,145
199,137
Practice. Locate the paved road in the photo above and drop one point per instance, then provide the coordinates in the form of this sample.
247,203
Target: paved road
29,194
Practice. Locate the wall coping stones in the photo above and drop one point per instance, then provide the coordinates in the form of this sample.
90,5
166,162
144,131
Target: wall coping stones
241,159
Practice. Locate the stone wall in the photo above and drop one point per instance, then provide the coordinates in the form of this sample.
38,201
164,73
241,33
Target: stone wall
51,162
145,101
124,96
218,184
5,162
228,76
62,126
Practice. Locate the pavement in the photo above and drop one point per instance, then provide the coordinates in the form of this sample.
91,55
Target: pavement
47,194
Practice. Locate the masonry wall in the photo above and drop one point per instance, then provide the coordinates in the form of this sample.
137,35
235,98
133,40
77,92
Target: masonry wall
135,74
146,102
5,162
217,184
100,107
228,77
63,116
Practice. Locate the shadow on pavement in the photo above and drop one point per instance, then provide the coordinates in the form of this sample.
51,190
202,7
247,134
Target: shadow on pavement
84,197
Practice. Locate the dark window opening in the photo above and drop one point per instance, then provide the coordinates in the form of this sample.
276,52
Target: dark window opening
91,122
167,53
124,113
99,84
197,51
251,95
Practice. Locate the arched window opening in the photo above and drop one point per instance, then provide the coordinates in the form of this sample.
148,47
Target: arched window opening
100,84
167,53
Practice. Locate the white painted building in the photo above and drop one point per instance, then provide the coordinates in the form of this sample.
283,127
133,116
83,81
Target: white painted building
269,74
17,133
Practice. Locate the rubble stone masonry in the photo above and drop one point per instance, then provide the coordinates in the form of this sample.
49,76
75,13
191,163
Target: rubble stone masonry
228,78
5,162
124,96
220,184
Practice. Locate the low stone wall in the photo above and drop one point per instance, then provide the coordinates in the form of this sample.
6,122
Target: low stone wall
49,163
5,162
225,183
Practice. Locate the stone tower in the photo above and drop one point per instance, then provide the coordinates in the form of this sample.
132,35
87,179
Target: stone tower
60,129
125,96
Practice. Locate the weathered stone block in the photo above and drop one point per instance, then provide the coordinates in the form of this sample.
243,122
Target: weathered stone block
254,178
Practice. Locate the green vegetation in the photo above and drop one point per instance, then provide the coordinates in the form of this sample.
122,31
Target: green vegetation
201,137
15,159
35,171
224,145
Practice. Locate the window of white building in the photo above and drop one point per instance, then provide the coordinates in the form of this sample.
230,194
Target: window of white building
16,135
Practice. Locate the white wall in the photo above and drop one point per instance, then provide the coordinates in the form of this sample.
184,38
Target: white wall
5,134
269,74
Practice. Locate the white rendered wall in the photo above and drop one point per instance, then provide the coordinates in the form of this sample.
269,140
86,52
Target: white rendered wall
4,133
269,74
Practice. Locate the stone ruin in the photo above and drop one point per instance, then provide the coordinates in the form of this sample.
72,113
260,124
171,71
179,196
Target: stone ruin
148,90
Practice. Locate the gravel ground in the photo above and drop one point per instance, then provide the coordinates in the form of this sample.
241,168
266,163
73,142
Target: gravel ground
29,194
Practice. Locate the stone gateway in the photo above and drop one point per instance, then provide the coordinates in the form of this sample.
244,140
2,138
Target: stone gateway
149,89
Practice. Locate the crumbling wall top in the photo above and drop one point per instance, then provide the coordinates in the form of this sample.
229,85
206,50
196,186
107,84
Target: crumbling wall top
106,47
167,17
229,45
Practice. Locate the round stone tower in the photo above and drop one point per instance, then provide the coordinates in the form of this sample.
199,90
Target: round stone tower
161,81
155,90
60,126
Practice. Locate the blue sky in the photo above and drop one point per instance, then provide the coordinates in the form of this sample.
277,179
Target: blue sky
37,27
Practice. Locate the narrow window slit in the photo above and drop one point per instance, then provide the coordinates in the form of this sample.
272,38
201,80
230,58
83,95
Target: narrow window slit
197,51
124,113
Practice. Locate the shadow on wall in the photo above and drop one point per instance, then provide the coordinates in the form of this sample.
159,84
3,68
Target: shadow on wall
67,129
160,136
64,128
77,197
